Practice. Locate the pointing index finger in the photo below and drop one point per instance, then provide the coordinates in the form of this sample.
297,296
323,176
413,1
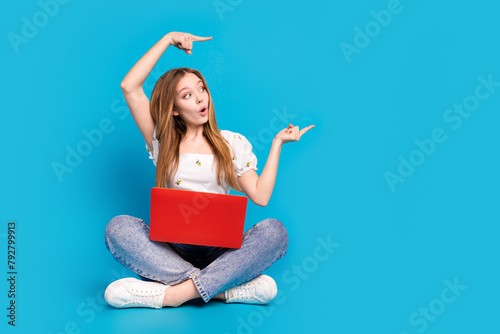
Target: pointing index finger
304,130
199,39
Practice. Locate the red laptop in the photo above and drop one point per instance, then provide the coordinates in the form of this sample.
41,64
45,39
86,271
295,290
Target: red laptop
197,218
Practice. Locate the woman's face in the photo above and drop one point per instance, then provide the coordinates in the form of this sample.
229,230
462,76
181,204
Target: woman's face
191,100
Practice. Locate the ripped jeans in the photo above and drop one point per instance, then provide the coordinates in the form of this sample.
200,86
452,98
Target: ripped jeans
213,269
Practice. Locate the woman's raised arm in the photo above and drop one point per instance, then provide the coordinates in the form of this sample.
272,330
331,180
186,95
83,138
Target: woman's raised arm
260,188
131,85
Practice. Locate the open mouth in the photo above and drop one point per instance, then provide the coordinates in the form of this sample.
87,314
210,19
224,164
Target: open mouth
203,111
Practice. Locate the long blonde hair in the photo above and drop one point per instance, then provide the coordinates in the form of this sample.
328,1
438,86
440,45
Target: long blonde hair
171,130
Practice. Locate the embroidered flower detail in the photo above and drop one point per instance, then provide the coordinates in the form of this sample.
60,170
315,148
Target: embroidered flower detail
198,163
248,164
240,138
234,157
178,183
147,149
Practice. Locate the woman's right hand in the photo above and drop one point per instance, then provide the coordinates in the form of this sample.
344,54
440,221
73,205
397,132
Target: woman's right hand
292,133
184,41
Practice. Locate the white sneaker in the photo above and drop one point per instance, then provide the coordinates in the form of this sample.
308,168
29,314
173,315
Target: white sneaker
259,290
131,292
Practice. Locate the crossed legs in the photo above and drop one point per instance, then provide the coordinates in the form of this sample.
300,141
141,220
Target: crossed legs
127,238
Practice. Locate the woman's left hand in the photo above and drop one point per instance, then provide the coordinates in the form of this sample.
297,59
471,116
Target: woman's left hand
292,133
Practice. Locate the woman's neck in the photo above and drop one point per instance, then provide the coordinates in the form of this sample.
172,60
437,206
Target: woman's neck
194,134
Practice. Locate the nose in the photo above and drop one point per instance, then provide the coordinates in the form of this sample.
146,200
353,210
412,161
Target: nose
199,98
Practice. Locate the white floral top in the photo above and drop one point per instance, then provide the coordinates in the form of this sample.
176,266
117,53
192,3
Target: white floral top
197,172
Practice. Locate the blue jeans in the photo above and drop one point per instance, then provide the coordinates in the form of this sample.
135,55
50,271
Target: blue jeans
213,269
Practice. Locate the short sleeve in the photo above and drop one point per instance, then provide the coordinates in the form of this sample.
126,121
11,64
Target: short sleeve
243,157
153,151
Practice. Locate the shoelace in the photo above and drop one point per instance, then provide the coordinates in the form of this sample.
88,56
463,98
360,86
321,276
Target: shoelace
245,291
144,300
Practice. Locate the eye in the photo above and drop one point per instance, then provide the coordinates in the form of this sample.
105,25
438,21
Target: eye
187,95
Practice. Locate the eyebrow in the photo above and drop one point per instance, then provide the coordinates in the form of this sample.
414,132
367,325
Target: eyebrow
188,87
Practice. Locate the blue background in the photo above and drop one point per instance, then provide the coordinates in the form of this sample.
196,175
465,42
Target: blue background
395,247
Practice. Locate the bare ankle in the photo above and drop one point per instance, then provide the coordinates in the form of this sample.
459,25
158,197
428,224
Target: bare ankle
181,293
220,296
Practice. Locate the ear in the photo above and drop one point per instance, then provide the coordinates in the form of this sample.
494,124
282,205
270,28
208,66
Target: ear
175,112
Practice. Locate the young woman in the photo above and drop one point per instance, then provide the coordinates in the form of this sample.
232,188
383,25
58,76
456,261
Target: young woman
191,153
